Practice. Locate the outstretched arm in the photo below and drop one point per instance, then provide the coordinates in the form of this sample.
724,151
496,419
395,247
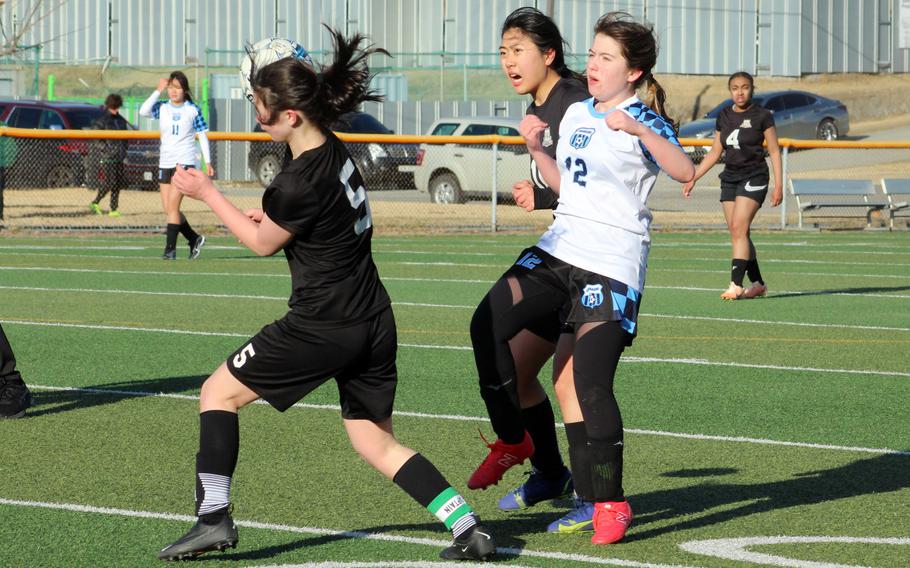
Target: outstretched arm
265,238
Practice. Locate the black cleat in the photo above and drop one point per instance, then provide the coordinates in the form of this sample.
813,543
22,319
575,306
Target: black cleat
196,247
169,254
475,545
15,397
215,531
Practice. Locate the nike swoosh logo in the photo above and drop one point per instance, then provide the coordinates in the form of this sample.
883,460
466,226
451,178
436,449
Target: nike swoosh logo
748,187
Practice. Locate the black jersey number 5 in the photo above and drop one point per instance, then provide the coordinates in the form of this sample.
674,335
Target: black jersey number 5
356,198
580,172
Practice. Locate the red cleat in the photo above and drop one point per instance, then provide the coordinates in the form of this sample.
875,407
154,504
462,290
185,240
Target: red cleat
502,456
611,519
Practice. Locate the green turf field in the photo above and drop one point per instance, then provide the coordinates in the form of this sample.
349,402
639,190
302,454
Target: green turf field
777,430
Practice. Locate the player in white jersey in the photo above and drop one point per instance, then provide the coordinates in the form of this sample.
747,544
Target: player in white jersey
180,121
532,57
590,264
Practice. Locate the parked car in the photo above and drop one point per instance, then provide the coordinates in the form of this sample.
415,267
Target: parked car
64,162
454,173
797,114
378,163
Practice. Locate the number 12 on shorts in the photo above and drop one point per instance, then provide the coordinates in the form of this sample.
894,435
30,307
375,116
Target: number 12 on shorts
246,352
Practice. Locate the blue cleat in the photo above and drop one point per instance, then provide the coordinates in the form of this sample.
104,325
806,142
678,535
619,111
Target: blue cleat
579,519
536,489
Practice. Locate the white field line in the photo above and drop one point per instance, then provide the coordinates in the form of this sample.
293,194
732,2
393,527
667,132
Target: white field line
416,279
497,265
461,418
457,306
671,360
766,260
736,548
382,537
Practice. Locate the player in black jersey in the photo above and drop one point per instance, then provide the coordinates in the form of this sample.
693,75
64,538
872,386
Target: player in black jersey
532,57
15,398
340,324
740,133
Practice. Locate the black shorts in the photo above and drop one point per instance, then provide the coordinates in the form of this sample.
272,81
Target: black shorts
583,296
165,174
754,187
288,359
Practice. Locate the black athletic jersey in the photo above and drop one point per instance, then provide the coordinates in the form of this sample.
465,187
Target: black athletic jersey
320,198
565,92
742,135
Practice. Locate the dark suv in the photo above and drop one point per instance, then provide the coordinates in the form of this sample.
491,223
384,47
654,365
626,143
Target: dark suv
378,163
64,162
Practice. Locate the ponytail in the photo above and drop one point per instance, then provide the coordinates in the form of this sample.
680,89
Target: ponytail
320,95
657,98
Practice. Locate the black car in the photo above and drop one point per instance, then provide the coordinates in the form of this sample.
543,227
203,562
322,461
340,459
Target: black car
378,163
52,162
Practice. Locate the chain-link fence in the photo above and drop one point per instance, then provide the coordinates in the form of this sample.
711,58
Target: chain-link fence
415,184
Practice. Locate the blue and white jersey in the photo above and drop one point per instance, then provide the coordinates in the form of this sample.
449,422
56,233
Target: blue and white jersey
602,223
178,125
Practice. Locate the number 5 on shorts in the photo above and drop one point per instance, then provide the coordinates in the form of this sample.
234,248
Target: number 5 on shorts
240,358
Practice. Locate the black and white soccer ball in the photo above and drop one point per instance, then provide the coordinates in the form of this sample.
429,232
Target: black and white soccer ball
266,51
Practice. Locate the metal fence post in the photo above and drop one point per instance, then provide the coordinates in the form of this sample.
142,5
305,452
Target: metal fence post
783,174
494,196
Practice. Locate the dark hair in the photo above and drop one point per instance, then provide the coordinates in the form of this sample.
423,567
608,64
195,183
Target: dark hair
745,76
639,48
544,33
113,101
321,95
183,82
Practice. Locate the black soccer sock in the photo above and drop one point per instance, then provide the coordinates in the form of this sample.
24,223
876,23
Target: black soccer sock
753,271
497,319
171,240
598,348
425,484
540,424
189,234
581,474
219,445
604,460
738,271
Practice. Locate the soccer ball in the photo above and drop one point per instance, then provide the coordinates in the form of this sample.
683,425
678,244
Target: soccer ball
266,51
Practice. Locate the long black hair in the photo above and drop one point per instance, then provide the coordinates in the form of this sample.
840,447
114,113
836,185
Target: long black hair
321,95
639,48
545,34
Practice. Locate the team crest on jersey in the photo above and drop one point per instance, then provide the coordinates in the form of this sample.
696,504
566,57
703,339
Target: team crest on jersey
747,123
581,137
592,296
547,138
175,117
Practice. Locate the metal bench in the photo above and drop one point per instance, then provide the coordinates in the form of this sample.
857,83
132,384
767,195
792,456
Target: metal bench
816,194
897,192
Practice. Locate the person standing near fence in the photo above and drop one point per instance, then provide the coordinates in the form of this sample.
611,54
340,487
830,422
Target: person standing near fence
340,324
15,397
180,122
110,154
740,133
533,59
591,262
8,149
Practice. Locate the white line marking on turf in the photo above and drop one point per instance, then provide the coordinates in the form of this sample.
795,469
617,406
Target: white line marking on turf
681,361
385,537
461,418
384,564
454,306
735,548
